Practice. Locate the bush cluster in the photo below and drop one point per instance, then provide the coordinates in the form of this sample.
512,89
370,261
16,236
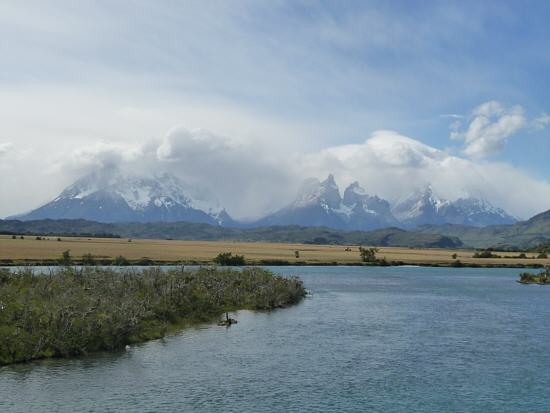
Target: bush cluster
77,311
228,259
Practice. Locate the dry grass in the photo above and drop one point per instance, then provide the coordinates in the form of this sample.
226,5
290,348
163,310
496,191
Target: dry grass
30,249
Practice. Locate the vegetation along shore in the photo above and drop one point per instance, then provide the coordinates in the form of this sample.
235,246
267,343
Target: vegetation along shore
71,312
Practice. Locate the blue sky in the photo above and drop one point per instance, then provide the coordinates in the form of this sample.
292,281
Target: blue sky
277,78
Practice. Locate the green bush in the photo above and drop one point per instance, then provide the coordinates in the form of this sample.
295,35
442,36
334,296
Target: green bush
368,254
228,259
485,254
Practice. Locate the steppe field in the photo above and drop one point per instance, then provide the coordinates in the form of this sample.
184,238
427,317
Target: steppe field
30,249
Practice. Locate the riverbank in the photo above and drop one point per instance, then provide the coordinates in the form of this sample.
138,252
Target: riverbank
72,312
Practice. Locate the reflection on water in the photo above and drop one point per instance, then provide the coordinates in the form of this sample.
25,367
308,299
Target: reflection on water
368,339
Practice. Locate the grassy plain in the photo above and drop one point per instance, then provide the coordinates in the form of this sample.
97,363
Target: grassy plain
31,250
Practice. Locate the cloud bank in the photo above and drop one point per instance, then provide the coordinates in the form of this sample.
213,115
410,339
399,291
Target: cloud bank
250,181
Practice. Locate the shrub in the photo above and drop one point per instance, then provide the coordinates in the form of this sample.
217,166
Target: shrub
368,254
121,261
145,261
88,259
542,255
74,312
228,259
66,258
485,254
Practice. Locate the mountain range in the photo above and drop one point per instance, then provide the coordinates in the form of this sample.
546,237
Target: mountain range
112,197
320,204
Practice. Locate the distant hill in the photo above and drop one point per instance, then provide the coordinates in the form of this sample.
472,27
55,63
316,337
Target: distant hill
522,235
199,231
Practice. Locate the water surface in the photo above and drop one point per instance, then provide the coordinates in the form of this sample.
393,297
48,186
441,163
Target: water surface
394,339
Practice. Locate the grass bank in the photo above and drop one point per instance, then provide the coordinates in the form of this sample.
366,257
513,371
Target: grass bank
47,251
72,312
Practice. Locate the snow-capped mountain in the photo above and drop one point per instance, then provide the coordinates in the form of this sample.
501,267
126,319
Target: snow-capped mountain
477,213
320,204
364,211
112,197
419,208
423,207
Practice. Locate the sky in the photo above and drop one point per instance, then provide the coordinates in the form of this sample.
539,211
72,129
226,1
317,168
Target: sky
248,98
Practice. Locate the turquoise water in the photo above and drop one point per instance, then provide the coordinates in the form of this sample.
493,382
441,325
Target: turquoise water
391,339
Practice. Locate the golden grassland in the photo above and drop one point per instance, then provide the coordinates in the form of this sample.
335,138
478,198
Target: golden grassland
30,249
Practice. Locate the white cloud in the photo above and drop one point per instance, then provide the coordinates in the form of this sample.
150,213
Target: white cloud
391,165
5,147
249,180
491,124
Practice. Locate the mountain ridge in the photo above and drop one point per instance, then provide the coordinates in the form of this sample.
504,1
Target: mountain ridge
320,203
109,196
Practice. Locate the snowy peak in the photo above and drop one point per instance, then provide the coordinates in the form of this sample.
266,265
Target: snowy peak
420,207
423,207
320,204
113,197
477,212
314,192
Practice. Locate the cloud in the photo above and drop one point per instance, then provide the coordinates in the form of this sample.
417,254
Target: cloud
541,122
5,147
392,165
491,124
246,177
99,156
250,180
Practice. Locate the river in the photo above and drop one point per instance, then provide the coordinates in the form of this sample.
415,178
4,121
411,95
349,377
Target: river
389,339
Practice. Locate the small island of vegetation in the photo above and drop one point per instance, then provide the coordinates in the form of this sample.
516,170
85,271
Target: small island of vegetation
76,311
541,278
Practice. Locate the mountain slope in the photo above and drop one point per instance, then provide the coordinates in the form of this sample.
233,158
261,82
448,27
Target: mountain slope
521,235
116,198
315,205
